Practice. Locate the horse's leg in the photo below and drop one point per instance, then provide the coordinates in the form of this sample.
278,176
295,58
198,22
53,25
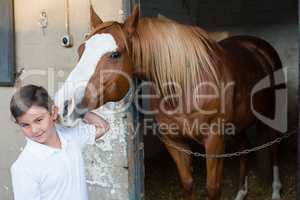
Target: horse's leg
243,143
271,135
214,144
264,159
184,166
276,185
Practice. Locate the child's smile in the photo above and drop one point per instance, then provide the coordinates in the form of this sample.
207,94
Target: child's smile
37,124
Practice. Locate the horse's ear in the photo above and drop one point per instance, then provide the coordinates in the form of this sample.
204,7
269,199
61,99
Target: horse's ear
162,17
95,19
131,22
218,36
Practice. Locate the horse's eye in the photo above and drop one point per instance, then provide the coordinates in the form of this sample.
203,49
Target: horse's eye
115,54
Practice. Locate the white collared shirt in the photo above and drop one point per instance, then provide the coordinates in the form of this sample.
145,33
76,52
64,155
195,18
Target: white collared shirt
45,173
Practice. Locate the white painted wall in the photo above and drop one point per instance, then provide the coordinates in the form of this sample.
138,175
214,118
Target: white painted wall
46,63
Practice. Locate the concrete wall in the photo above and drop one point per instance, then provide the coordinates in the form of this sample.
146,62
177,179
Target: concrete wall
46,63
107,161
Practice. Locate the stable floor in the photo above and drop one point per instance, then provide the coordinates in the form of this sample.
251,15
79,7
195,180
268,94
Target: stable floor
162,182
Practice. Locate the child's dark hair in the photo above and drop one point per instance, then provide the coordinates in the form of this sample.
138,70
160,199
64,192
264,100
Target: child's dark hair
28,96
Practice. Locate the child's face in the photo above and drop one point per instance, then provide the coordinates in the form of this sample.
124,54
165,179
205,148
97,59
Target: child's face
38,123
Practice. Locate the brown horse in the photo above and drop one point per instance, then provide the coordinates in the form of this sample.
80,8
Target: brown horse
198,83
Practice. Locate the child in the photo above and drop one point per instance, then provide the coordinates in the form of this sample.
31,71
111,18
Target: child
51,166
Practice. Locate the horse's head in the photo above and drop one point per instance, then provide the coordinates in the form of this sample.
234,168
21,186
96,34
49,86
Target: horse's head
104,69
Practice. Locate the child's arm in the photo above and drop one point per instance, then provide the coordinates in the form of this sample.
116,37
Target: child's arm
101,125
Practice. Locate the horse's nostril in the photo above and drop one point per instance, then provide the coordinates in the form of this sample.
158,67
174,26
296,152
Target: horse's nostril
66,106
81,110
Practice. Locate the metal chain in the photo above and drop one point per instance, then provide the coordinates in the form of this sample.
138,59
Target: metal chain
229,155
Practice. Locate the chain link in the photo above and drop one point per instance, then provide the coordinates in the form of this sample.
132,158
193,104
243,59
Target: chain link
229,155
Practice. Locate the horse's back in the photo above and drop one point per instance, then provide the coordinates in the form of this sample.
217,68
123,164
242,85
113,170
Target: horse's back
256,46
250,60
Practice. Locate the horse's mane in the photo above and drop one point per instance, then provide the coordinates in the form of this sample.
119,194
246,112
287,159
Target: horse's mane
173,52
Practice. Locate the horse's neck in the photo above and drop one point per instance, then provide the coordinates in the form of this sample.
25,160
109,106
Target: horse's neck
194,79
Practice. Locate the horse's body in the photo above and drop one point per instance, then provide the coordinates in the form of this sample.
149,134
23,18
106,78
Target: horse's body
242,59
245,56
165,51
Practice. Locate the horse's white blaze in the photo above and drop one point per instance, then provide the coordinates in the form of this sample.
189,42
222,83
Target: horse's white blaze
242,193
276,184
74,87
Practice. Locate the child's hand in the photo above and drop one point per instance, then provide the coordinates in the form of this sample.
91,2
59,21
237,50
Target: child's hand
101,125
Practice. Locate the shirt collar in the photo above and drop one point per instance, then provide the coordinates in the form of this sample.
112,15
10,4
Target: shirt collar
44,151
